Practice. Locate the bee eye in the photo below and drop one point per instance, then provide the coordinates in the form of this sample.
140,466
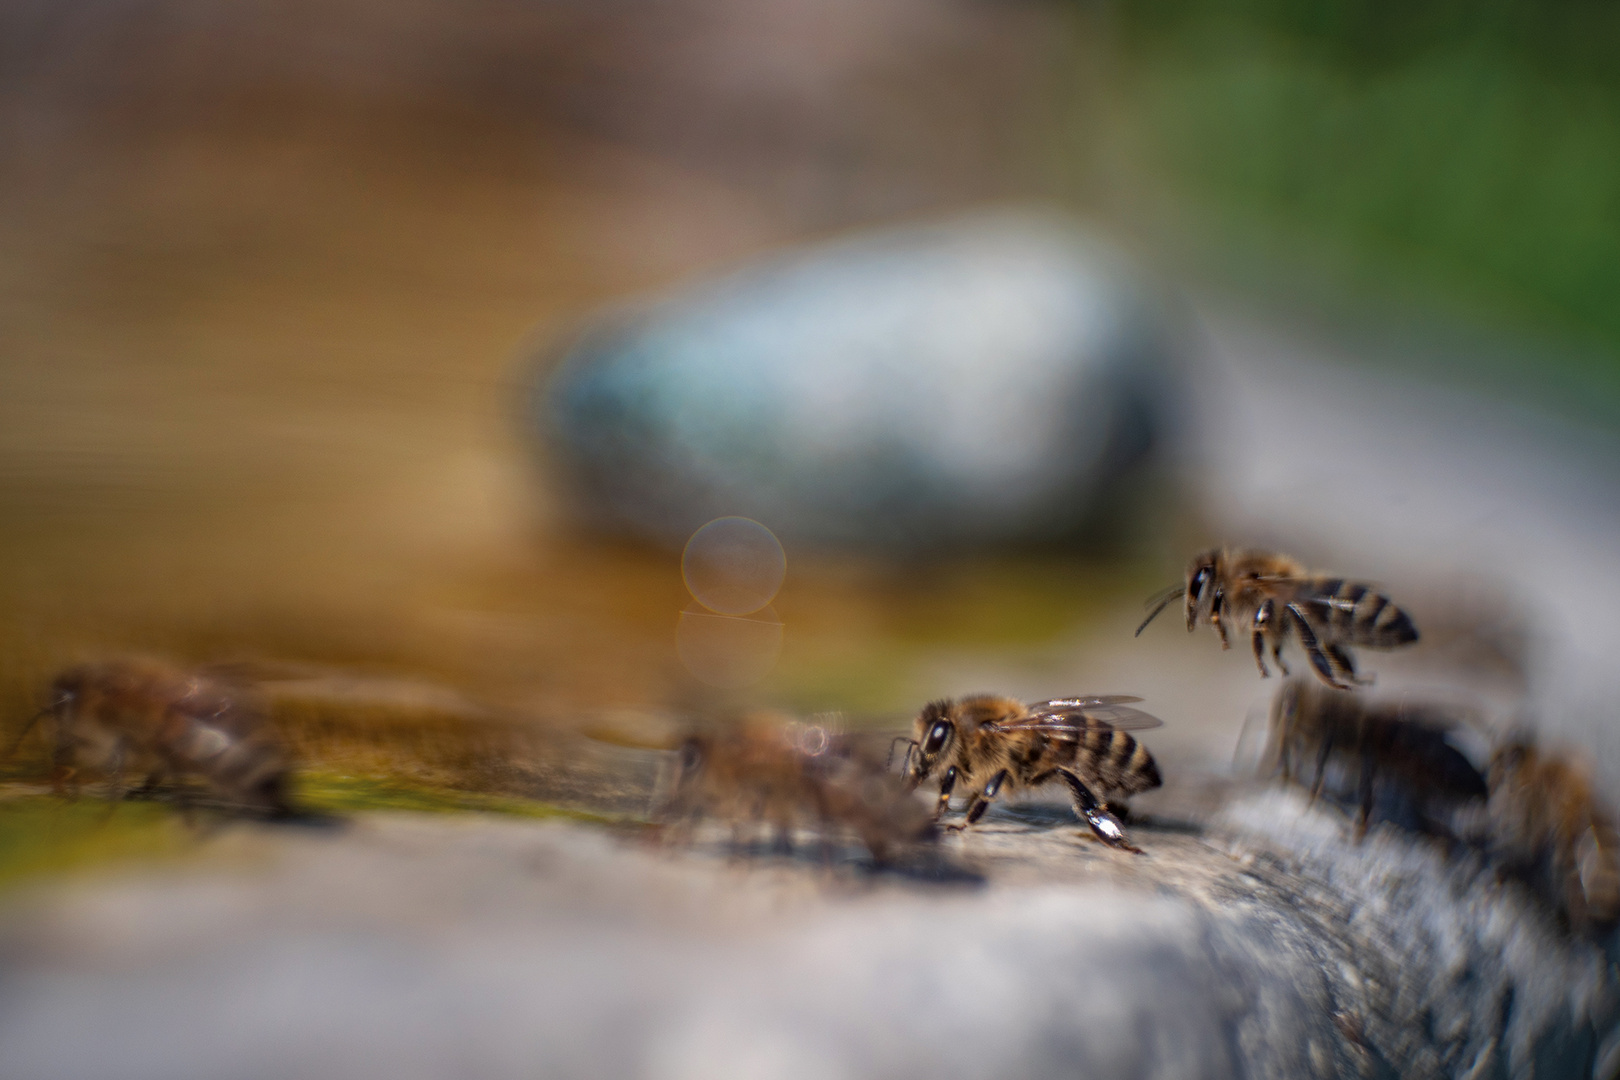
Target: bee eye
936,738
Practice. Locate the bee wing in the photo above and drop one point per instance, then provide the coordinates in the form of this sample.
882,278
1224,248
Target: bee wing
1078,714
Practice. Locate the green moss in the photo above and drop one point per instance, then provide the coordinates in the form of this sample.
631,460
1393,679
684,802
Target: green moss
1464,158
334,793
42,834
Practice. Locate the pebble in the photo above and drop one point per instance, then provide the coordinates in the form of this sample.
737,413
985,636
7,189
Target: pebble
971,383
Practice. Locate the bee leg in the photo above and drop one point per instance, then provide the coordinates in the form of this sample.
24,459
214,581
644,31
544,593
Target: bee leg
64,774
1264,617
824,847
1276,654
153,781
1366,792
1104,825
1346,666
981,801
115,781
781,838
1318,780
946,783
65,781
1319,659
1215,605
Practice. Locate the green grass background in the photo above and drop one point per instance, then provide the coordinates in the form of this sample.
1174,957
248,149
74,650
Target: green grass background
1461,158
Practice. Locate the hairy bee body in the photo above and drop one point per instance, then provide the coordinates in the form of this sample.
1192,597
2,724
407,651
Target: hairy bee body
1273,597
131,716
1549,827
1361,751
785,778
991,744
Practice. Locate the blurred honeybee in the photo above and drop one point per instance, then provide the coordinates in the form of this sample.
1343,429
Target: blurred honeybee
1548,826
786,777
990,745
140,717
1272,596
1394,754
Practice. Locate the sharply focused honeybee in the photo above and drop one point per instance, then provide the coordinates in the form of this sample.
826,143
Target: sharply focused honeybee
137,717
1395,755
1549,827
790,776
1272,596
990,745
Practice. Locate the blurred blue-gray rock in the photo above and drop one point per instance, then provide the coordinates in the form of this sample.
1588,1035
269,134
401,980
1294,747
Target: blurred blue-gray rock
978,382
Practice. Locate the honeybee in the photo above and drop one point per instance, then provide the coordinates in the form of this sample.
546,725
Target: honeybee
1358,750
135,716
791,776
990,744
1273,596
1548,826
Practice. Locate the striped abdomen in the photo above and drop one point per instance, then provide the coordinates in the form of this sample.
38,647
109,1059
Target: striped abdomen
1114,759
1354,613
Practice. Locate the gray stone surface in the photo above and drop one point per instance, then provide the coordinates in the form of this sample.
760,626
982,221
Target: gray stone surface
974,382
415,948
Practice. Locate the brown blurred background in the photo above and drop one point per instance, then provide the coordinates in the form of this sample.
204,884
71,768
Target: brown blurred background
272,276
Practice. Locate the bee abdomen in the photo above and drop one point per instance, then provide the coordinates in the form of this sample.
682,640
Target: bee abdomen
1120,762
1363,616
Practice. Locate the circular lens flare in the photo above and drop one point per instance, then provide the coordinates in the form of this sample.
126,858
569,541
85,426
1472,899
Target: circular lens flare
733,566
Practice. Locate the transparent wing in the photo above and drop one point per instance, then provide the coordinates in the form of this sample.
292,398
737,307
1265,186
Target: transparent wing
1080,713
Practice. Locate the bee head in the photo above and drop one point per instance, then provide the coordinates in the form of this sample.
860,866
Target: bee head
1202,574
689,760
67,687
934,733
684,776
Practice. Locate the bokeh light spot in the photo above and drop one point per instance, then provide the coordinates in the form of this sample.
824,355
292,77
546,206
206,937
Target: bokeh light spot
733,565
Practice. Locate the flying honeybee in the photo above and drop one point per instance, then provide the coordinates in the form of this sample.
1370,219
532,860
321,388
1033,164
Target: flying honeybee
1549,827
990,745
145,718
1392,755
1273,596
788,776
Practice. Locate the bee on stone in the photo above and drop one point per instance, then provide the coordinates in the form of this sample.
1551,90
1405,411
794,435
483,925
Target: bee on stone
990,745
786,777
1394,757
1548,827
126,718
1272,597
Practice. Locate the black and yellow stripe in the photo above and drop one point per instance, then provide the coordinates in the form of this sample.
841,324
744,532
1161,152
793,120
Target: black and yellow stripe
1358,614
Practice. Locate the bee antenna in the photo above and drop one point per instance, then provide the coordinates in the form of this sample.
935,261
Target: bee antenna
27,727
1160,602
911,744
